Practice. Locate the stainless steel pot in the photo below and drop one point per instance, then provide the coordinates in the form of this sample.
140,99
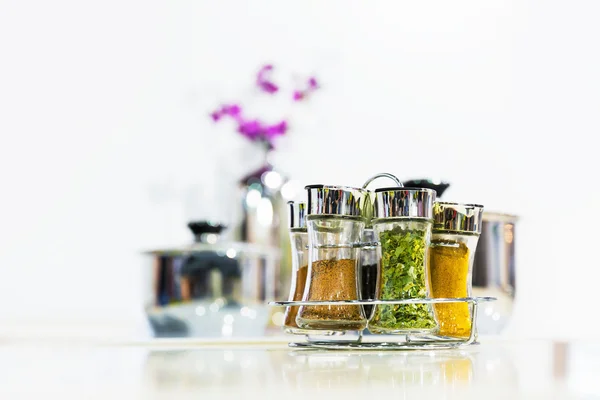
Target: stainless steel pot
211,289
494,270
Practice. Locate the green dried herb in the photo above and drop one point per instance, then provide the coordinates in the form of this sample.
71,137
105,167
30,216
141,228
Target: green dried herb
402,277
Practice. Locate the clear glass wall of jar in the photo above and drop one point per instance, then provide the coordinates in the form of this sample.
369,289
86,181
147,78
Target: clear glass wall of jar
402,224
335,226
299,245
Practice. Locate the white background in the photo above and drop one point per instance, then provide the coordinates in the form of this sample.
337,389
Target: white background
106,146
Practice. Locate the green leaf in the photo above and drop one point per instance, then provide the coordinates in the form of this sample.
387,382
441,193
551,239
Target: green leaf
403,277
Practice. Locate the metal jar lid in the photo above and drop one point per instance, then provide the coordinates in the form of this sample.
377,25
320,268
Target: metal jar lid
336,200
404,202
456,217
297,214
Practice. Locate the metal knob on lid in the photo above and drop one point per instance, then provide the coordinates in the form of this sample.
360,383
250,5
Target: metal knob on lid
297,215
455,217
336,200
403,202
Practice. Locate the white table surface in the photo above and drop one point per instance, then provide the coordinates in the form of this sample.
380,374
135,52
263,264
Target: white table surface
267,368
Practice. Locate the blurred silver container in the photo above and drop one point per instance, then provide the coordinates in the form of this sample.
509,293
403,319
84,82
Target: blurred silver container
260,217
494,271
210,288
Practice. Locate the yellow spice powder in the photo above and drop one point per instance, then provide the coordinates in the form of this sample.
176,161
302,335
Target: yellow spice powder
449,270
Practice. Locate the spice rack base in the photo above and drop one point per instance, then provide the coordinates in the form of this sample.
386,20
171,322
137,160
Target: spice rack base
357,340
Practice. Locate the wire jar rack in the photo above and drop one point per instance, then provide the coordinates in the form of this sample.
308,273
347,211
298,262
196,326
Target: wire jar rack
363,340
342,227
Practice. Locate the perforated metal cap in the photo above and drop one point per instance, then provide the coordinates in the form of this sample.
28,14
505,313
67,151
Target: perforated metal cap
402,202
336,200
456,217
297,214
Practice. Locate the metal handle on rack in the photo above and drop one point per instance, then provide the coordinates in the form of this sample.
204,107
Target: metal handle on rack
383,175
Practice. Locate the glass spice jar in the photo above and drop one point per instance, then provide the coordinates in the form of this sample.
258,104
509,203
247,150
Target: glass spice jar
335,225
369,269
299,244
456,231
402,224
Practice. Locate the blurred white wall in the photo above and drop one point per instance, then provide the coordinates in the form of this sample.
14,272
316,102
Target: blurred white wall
106,145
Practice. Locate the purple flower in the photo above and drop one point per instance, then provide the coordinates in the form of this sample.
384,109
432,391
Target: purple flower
268,87
216,115
298,95
254,129
276,130
251,129
311,84
263,82
232,110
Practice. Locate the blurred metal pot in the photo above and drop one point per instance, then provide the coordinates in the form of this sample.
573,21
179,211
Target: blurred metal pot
211,288
494,270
